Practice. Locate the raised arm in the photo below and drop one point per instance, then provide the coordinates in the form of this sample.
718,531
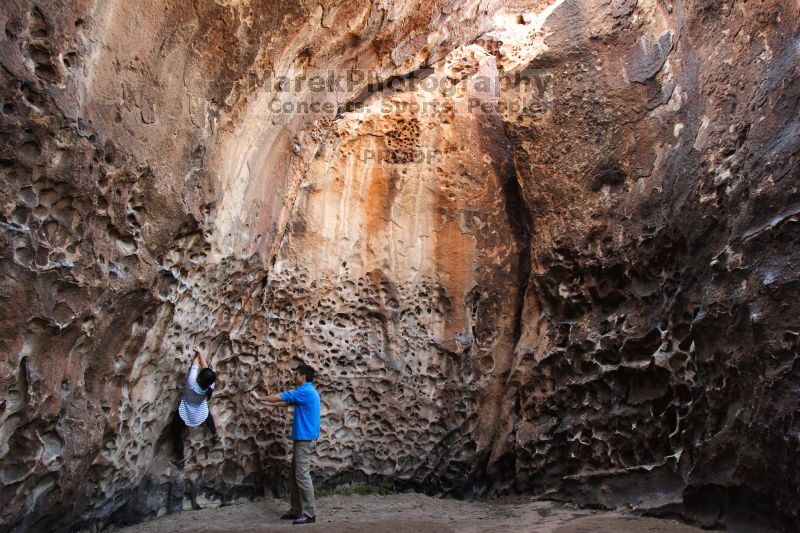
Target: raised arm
199,358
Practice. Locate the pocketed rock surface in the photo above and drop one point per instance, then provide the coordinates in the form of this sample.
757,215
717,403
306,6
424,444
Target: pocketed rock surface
578,280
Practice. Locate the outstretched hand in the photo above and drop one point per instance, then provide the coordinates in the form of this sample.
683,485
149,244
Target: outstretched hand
270,401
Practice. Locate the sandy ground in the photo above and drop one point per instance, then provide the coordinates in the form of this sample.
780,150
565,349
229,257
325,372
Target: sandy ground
411,513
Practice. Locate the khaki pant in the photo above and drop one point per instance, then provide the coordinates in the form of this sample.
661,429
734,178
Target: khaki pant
300,478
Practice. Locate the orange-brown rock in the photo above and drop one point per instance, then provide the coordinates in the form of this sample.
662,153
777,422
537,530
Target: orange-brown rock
531,247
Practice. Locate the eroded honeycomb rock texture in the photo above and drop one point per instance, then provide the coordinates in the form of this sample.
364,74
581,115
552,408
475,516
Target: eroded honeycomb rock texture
660,347
578,282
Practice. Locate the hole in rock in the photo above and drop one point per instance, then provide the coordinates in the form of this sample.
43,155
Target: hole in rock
542,249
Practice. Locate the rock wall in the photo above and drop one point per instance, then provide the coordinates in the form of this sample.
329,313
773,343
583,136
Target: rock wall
658,366
531,248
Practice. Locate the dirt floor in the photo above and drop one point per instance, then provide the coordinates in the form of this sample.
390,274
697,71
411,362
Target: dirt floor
411,513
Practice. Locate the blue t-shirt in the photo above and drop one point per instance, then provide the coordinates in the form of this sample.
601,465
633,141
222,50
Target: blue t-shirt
305,400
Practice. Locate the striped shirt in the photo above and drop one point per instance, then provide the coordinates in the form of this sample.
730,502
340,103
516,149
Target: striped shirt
194,407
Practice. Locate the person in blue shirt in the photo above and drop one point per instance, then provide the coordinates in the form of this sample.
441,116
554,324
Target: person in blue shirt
305,432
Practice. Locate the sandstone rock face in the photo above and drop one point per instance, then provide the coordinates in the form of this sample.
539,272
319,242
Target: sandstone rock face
530,248
660,345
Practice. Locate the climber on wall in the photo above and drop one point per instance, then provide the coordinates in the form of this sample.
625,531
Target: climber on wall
193,409
305,432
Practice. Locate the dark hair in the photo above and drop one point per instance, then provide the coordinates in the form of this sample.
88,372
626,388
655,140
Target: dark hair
306,371
206,377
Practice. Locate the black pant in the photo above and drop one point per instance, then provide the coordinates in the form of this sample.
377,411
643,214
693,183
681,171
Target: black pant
179,427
